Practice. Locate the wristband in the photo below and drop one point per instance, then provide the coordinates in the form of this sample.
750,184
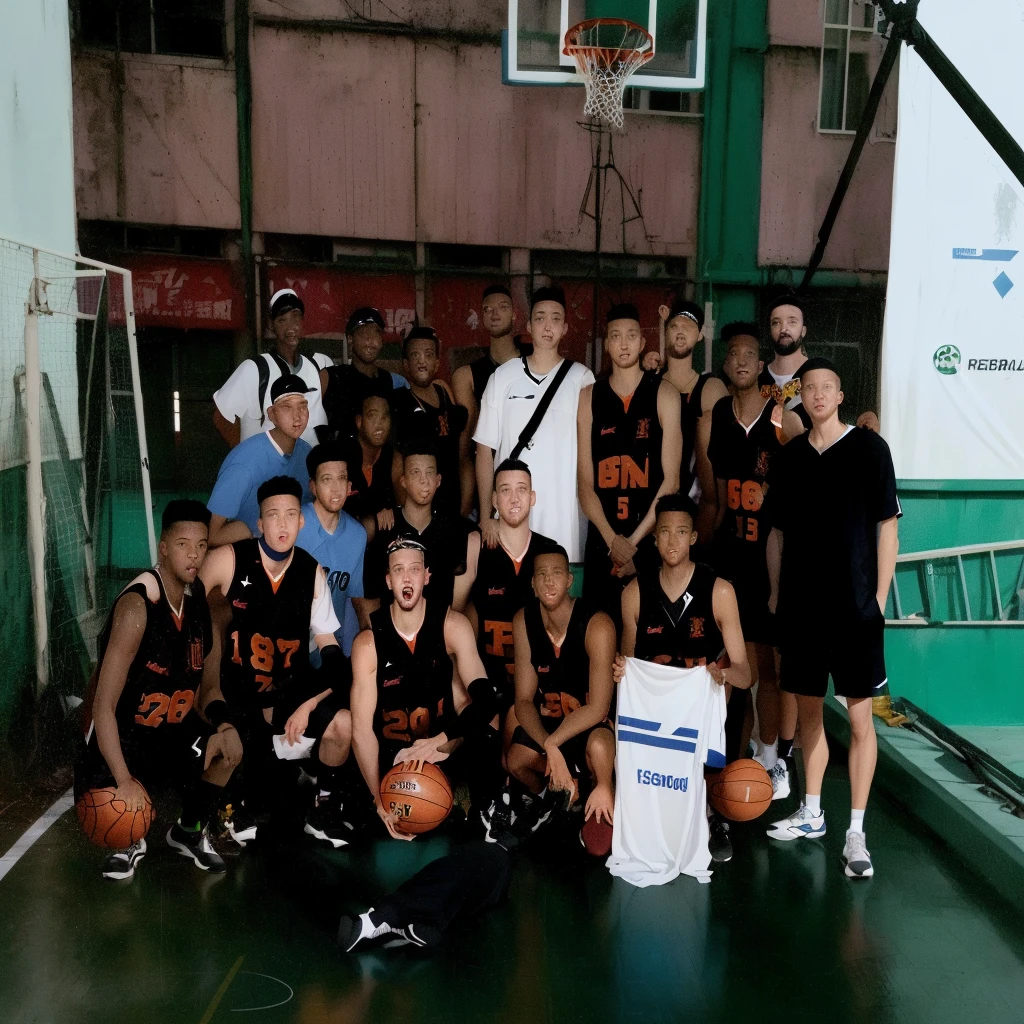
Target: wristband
477,715
218,712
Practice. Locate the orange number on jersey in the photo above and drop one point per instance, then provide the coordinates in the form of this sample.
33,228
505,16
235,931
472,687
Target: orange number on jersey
419,723
262,653
752,529
751,495
746,528
152,709
235,656
180,705
623,512
501,637
266,682
732,489
396,726
287,648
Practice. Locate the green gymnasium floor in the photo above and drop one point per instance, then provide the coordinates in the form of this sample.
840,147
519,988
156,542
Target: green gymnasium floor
779,935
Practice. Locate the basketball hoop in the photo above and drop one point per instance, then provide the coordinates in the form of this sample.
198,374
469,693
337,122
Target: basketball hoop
605,67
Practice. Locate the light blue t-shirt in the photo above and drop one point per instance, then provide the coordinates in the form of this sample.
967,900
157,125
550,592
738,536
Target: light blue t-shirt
247,466
341,555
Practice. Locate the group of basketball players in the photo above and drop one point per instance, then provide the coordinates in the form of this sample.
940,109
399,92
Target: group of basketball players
383,593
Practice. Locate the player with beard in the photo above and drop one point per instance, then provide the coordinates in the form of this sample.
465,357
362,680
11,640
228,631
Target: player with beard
564,654
744,442
683,324
450,541
277,597
630,446
419,689
779,379
685,616
426,409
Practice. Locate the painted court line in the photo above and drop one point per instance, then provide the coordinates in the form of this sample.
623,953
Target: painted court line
24,844
219,994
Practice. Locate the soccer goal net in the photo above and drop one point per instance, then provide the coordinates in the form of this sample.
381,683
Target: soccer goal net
74,475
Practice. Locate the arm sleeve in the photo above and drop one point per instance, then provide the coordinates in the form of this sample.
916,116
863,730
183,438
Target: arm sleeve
233,483
587,378
322,360
355,583
488,426
239,395
323,619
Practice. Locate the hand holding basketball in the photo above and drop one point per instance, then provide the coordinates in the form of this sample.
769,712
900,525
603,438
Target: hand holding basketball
115,818
424,750
390,820
414,797
133,794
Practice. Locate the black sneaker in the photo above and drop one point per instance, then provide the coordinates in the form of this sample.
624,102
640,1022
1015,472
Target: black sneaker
197,846
499,818
357,933
325,822
719,843
120,865
239,823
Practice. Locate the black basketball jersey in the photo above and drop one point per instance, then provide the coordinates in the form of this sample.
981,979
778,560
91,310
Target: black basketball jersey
445,422
563,673
267,644
414,684
346,390
625,444
502,586
164,676
370,488
684,633
690,411
742,458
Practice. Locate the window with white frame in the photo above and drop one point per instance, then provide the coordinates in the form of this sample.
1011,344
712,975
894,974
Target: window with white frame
850,53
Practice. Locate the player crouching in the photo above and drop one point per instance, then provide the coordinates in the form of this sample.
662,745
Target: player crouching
564,653
144,725
410,701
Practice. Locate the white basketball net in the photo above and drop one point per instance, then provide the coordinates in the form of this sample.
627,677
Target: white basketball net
607,51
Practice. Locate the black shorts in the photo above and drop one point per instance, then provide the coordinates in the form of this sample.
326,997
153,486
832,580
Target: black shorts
750,581
573,750
173,755
852,652
257,733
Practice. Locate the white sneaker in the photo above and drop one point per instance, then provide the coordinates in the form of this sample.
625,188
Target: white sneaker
780,780
120,864
855,853
799,825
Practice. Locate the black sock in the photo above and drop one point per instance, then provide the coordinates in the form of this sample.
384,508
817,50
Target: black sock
327,778
197,801
785,748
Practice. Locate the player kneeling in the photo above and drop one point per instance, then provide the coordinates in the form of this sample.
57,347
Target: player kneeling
410,701
564,653
144,727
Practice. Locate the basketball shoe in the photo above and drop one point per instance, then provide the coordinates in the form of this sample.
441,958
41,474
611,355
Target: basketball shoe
779,774
801,824
719,841
326,823
855,853
197,846
370,930
120,864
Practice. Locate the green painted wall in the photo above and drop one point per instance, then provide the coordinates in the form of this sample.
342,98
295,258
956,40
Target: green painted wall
16,606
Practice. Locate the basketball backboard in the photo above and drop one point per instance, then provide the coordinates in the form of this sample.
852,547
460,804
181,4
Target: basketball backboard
532,44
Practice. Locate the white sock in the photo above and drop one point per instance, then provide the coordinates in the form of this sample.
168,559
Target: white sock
856,821
813,803
769,755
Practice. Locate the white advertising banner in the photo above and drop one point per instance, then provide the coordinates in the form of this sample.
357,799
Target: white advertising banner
953,343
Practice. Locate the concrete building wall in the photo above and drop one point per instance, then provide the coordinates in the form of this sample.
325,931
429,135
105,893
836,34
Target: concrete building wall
800,165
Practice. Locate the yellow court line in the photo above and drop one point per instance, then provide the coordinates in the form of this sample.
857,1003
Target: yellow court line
219,994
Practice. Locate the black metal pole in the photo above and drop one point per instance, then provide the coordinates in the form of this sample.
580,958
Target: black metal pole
595,357
969,101
892,51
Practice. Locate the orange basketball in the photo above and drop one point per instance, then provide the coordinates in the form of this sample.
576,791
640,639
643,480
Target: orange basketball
419,793
741,791
108,823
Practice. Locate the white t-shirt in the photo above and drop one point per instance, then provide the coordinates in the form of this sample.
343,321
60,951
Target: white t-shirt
668,723
239,396
508,402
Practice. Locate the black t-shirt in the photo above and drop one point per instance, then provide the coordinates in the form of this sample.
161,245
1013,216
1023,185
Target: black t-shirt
346,390
828,506
368,496
445,539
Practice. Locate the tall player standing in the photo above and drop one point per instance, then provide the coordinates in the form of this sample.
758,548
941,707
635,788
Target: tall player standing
144,724
630,446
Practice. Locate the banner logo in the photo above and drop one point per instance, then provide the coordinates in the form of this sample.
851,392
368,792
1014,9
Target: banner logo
946,359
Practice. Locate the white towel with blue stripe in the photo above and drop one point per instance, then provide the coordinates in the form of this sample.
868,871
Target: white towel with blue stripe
669,723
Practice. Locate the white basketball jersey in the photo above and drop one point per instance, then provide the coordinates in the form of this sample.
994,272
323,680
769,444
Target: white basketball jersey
668,723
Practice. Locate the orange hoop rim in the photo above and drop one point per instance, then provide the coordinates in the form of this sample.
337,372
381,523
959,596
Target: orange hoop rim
608,54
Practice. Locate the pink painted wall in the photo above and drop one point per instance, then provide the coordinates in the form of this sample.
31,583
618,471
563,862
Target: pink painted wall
179,162
800,168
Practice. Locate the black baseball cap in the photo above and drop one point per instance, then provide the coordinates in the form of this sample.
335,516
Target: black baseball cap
683,307
288,384
284,300
365,315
